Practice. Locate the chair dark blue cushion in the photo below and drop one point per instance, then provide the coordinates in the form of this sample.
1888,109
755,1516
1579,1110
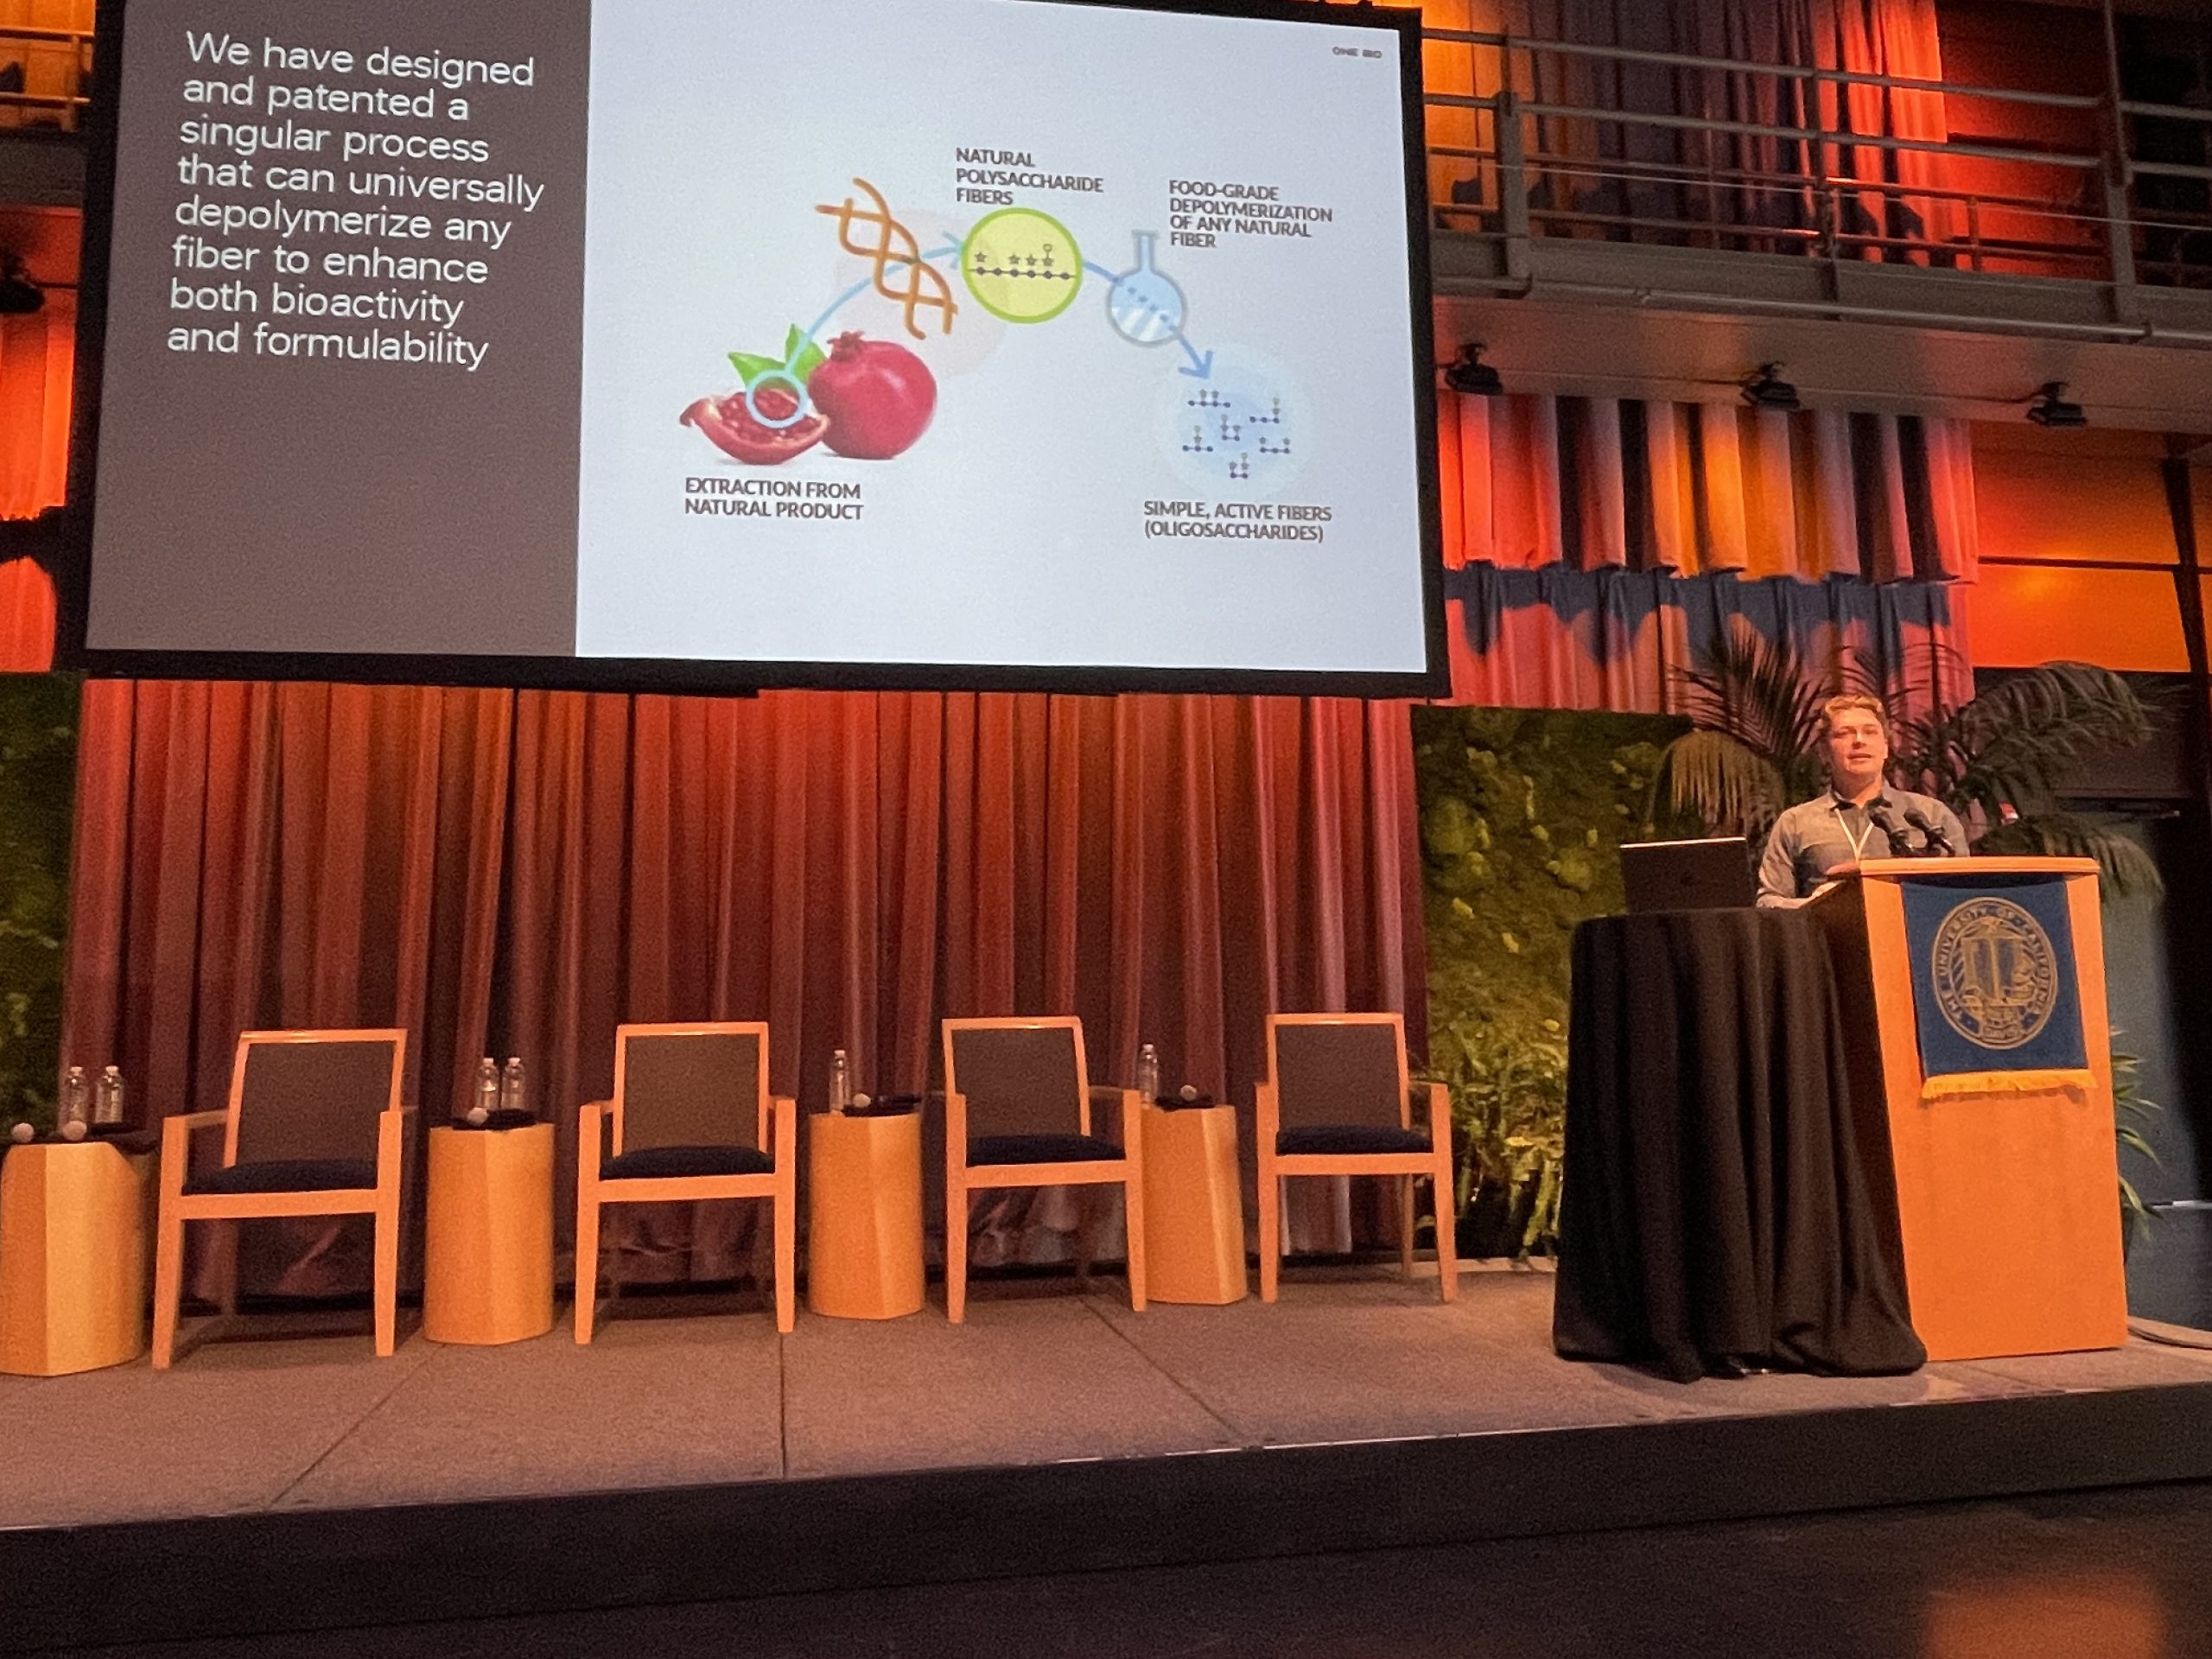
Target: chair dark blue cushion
1353,1138
1039,1149
652,1163
286,1175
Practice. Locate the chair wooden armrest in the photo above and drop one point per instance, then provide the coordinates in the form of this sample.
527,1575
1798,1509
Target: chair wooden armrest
176,1144
391,1142
1267,1125
591,1137
783,1209
784,1111
955,1127
1439,1115
190,1121
1123,1103
1443,1190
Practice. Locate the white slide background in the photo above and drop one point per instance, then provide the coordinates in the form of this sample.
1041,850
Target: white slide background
1013,533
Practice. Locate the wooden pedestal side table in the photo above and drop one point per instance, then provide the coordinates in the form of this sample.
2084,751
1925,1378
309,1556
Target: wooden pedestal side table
73,1258
864,1215
1193,1206
487,1255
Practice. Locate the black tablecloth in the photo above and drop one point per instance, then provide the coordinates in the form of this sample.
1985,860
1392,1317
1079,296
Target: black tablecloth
1716,1215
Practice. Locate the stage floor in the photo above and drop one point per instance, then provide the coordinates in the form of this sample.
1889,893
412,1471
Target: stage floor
684,1391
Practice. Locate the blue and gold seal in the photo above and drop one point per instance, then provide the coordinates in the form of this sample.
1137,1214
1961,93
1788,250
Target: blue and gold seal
1994,972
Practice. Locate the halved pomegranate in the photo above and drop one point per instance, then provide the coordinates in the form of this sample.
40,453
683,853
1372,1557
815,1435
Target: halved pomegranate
730,426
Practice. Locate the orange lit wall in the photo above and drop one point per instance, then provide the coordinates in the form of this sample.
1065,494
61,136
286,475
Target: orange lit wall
2077,550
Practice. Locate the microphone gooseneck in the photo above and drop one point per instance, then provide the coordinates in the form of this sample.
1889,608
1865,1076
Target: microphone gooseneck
1878,814
1938,843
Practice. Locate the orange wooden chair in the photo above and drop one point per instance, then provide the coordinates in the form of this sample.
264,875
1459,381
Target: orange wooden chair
314,1127
1017,1112
1337,1101
691,1119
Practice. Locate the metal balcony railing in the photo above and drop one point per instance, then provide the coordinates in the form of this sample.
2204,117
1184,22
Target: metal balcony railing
1540,138
1536,138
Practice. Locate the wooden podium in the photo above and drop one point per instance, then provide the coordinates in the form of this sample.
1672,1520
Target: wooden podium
2005,1191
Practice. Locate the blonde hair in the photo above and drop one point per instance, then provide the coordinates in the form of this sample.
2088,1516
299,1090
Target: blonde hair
1850,703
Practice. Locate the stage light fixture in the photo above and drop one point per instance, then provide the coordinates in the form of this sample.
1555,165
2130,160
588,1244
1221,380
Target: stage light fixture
2050,409
1471,377
19,295
1768,390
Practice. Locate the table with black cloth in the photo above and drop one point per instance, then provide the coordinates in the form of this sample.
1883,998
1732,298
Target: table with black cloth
1717,1215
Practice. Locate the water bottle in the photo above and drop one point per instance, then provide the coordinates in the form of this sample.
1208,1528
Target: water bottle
107,1104
1148,1073
840,1081
487,1091
510,1094
75,1114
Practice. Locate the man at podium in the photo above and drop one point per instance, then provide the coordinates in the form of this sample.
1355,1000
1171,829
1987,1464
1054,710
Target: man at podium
1858,816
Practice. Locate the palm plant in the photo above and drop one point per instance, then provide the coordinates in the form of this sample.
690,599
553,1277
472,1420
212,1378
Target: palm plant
1509,1100
2132,1113
1998,760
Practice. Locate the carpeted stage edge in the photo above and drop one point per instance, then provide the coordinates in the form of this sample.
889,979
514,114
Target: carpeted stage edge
1717,1450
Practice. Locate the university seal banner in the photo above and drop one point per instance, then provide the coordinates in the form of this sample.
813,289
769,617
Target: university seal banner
1993,989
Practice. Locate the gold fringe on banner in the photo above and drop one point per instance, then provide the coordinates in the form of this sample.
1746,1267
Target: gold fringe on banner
2074,1081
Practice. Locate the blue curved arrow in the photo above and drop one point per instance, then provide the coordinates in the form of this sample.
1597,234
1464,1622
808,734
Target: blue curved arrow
1201,362
823,321
950,249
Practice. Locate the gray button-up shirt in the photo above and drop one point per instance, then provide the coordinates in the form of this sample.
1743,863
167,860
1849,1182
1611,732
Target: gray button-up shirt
1811,839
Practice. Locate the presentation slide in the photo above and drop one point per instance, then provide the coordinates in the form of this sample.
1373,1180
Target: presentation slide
801,343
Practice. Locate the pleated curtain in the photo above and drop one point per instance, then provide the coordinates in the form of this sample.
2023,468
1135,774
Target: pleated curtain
35,365
1679,182
1697,489
516,873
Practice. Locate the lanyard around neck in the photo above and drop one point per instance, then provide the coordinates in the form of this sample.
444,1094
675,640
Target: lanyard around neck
1860,837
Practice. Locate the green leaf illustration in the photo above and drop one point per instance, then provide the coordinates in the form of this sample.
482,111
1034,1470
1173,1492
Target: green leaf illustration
750,368
801,353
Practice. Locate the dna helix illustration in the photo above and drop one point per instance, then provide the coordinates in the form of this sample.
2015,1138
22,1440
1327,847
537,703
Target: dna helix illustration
893,249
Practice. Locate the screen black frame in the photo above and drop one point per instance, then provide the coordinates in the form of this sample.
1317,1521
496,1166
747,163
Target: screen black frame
734,678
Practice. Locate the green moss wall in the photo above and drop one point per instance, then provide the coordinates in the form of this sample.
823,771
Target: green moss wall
38,758
1522,816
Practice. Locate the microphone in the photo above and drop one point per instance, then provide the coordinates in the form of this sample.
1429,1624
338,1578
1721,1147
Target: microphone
1878,814
1938,843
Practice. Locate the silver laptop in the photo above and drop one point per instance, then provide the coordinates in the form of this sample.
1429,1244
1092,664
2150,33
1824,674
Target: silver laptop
1709,875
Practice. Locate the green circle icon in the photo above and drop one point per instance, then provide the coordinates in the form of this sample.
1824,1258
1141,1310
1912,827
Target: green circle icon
1021,265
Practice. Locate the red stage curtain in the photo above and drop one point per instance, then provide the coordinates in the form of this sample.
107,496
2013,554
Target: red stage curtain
516,873
1655,173
1565,638
34,376
1592,546
1597,483
26,618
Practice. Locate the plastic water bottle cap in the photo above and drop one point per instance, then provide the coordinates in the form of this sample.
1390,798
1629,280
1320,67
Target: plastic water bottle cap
478,1117
73,1131
22,1135
1188,1092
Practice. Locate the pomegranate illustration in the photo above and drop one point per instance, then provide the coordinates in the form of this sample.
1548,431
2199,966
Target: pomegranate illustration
878,397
